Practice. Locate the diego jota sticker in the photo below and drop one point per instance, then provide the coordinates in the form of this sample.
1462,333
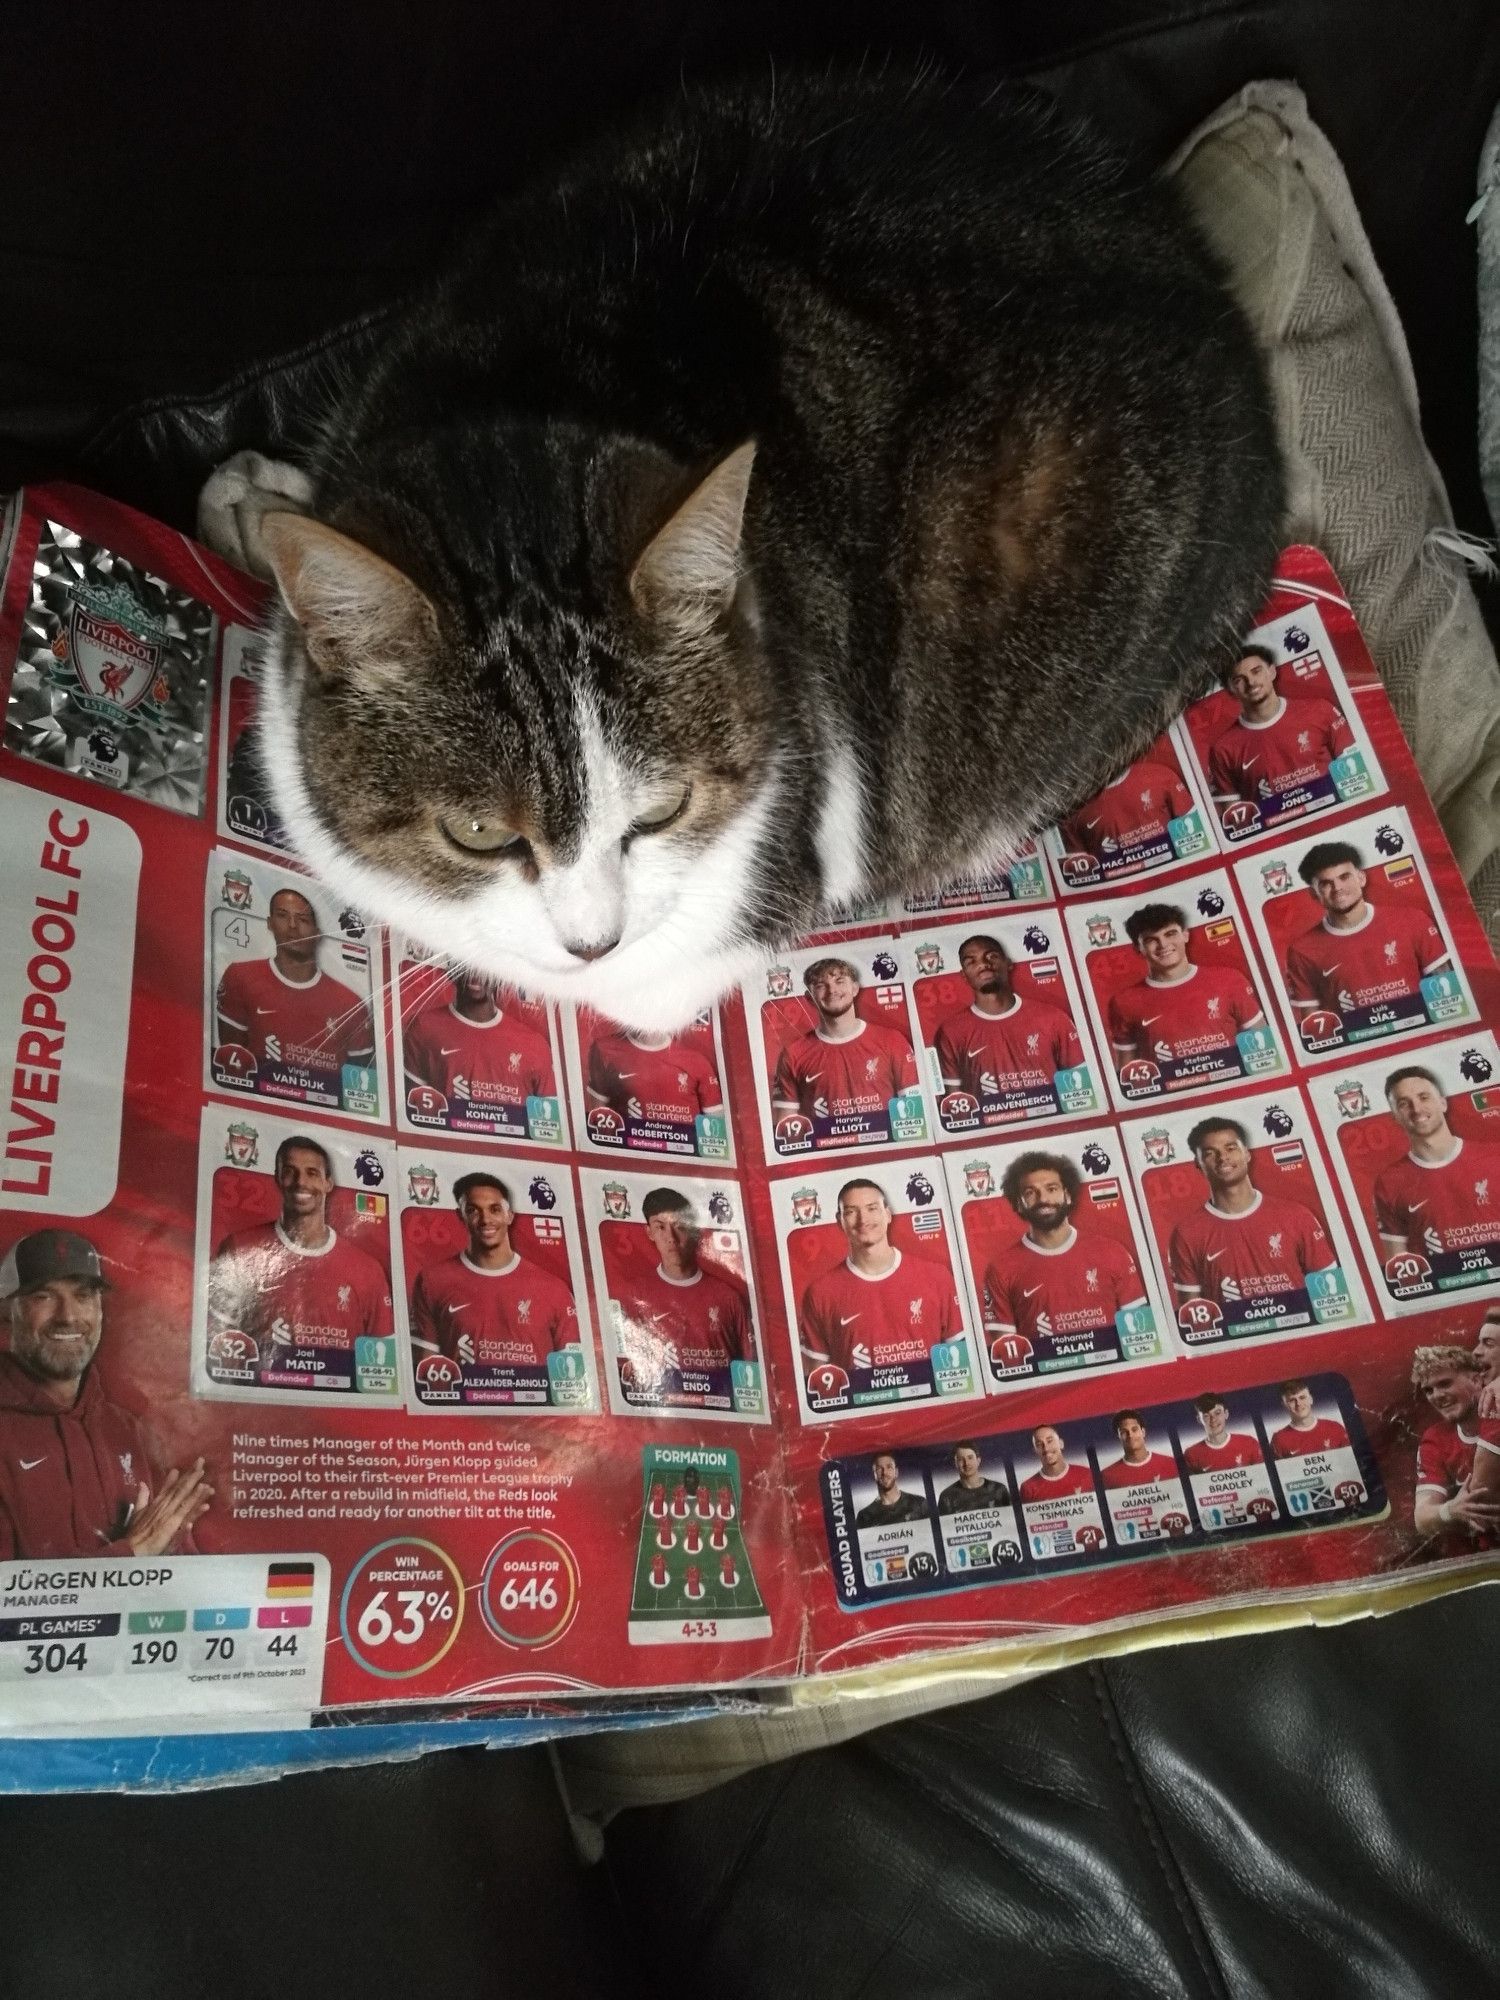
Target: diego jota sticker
491,1284
1283,739
292,1281
294,1000
1173,992
998,1014
875,1307
1020,878
676,1293
1244,1229
476,1057
1151,816
1056,1260
1416,1141
832,1045
1359,945
637,1093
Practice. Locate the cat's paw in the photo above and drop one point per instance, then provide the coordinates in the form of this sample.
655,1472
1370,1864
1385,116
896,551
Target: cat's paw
236,499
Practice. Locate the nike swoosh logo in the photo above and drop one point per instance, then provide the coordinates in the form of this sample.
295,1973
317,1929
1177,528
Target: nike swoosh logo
1415,1205
1147,1019
265,1010
624,1074
463,1307
1031,1292
31,1464
1212,1256
849,1321
447,1052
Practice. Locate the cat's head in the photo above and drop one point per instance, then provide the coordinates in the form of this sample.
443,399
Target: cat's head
532,734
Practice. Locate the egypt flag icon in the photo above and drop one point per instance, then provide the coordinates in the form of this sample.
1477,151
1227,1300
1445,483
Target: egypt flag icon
287,1580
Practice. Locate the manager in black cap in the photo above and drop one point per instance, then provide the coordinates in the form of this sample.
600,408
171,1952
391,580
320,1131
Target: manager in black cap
76,1475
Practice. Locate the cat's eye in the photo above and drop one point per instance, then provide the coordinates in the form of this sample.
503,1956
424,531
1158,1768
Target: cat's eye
661,817
484,836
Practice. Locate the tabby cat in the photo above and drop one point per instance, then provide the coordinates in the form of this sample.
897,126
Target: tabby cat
804,497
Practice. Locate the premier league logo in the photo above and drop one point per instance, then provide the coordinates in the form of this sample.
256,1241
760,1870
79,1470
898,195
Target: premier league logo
721,1208
1036,939
238,890
103,747
919,1189
1276,877
1474,1067
116,648
1351,1099
1210,903
1295,639
1094,1158
1388,841
929,958
1277,1121
779,982
1101,932
979,1179
422,1186
883,966
541,1193
351,923
242,1146
616,1201
367,1169
1157,1146
805,1205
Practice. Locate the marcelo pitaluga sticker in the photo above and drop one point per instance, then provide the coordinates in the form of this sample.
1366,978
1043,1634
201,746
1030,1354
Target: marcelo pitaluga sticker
113,674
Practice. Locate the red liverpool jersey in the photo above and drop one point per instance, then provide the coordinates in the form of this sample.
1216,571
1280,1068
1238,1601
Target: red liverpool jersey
267,1286
1453,1205
321,1025
697,1323
1385,958
653,1086
500,1062
1020,1049
1266,1250
1136,808
510,1318
1445,1459
827,1079
1251,760
884,1322
1077,1289
1236,1449
1154,1467
1077,1479
1170,1020
1322,1434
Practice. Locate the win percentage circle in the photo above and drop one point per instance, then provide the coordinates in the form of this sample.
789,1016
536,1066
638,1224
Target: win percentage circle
401,1609
529,1592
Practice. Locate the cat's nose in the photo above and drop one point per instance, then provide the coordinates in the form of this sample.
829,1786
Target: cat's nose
589,952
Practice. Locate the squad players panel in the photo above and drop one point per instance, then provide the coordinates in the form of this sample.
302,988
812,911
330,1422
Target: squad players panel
1000,1023
292,1291
1150,816
1245,1234
1060,1277
876,1309
477,1059
490,1285
1282,741
680,1325
294,1000
1276,1459
1021,878
1174,995
1359,947
648,1094
245,809
1415,1139
832,1046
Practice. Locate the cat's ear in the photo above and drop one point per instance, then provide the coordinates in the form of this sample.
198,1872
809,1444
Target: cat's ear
691,565
361,619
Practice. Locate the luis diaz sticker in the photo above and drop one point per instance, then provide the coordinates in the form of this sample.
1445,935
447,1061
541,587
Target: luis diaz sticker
676,1294
292,1283
1243,1225
476,1057
1352,926
640,1093
492,1284
693,1582
873,1301
1150,816
1056,1259
294,1002
1416,1141
1173,992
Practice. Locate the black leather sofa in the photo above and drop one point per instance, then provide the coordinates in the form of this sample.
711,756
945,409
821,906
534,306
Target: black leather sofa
189,196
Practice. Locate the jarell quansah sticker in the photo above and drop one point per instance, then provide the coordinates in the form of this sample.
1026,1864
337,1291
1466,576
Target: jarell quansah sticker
1415,1138
1058,1270
475,1057
1151,816
1173,991
1244,1229
294,999
292,1296
640,1093
245,809
875,1307
1021,879
1283,740
831,1040
998,1016
490,1284
1359,947
672,1275
113,674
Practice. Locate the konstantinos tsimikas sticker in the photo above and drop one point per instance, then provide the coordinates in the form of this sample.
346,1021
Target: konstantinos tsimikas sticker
113,674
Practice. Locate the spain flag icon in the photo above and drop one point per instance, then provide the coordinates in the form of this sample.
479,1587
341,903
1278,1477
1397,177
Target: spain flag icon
284,1580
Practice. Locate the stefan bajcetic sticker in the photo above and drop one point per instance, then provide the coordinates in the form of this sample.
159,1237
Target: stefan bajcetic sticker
113,675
